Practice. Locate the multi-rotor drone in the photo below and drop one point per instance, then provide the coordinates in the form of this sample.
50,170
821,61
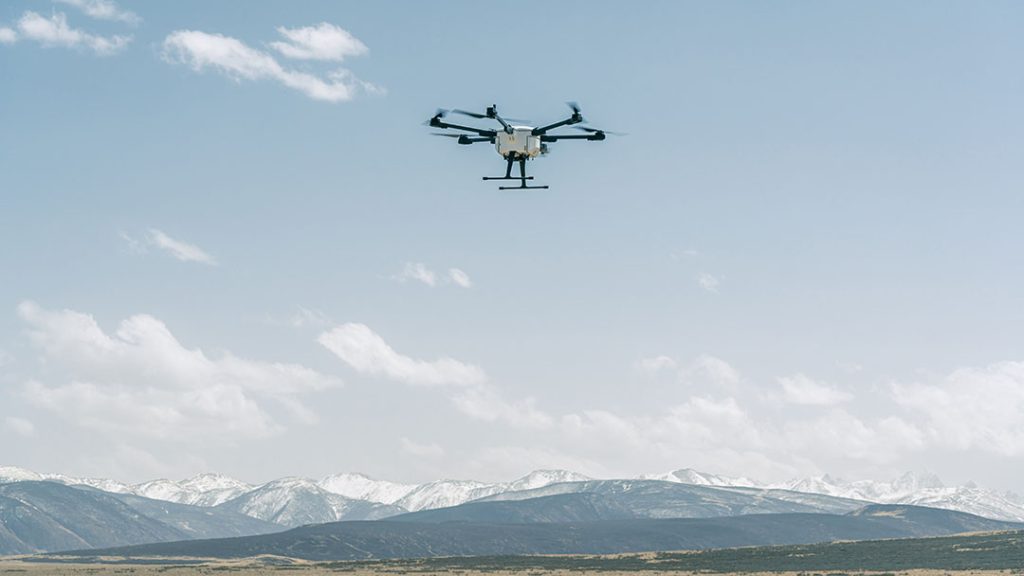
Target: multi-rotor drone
515,143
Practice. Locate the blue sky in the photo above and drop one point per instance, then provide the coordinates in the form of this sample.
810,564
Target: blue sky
803,258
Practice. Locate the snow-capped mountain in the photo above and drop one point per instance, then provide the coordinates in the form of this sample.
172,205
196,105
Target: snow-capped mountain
200,490
919,489
541,478
690,476
444,493
362,487
10,474
440,493
350,496
299,501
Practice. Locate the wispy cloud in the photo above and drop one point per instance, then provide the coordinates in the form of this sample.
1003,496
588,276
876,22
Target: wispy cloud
421,450
233,58
181,250
799,389
420,272
104,10
20,426
657,364
321,42
178,249
54,31
459,278
466,385
708,282
367,353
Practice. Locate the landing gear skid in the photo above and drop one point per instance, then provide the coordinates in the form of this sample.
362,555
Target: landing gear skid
512,158
523,186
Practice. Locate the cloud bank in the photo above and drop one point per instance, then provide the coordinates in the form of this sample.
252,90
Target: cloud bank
141,381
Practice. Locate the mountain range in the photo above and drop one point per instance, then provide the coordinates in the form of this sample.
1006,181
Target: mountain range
39,516
291,502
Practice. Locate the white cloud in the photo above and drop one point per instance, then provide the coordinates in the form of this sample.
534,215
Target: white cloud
306,317
367,353
321,42
657,364
697,431
20,426
708,282
485,403
418,272
140,380
135,246
8,35
971,409
431,450
104,10
711,370
54,31
229,56
799,389
178,249
460,278
685,253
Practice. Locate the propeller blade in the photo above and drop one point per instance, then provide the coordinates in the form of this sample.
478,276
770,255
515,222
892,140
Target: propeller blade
445,135
468,113
440,113
574,105
596,130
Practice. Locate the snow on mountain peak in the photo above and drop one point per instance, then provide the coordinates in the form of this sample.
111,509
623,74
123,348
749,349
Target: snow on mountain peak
541,478
15,474
362,487
352,495
690,476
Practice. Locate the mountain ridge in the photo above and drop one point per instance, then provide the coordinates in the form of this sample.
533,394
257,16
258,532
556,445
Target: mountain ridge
213,489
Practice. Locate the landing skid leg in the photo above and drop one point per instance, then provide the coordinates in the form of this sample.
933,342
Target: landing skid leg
522,175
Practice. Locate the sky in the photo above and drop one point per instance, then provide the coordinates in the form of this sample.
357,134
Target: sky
228,243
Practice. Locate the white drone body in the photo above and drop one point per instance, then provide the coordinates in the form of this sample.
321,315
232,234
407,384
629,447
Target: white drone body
515,143
521,142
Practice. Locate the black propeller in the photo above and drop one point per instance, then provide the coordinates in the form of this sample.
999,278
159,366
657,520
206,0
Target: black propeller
576,115
598,130
436,118
463,138
478,115
471,114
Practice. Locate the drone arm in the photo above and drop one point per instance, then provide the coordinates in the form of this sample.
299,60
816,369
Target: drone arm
543,129
594,136
504,125
438,123
474,139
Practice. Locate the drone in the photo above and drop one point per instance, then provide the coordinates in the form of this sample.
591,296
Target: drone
515,142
